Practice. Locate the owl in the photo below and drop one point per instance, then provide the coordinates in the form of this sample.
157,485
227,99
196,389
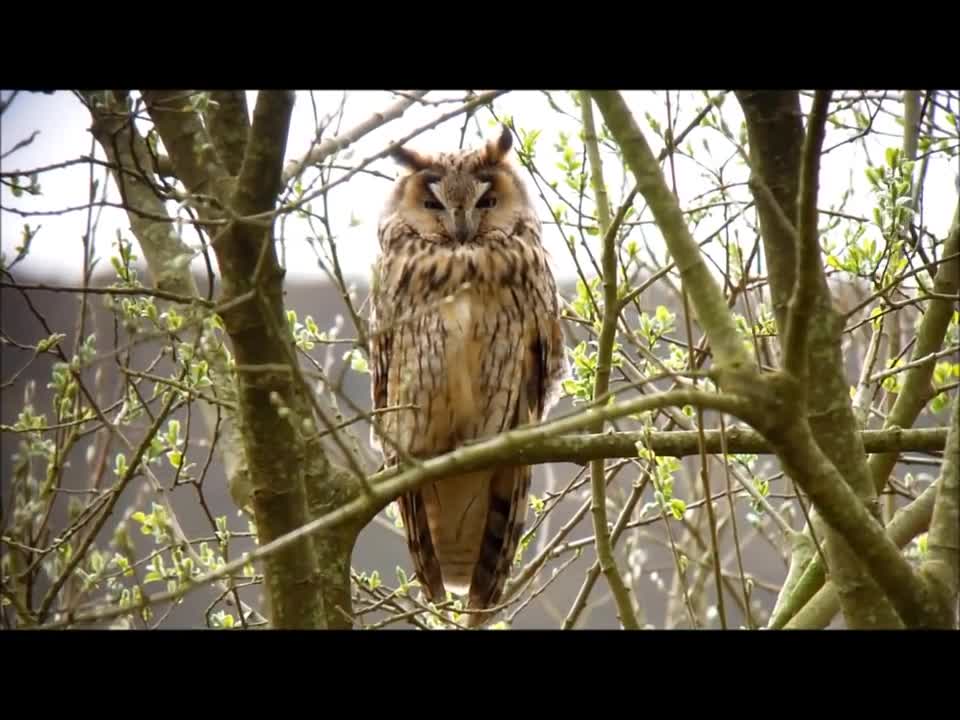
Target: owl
465,343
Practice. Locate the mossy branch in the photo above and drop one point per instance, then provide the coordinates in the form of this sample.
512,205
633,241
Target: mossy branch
910,402
809,266
191,150
941,569
843,511
582,449
812,605
228,121
784,169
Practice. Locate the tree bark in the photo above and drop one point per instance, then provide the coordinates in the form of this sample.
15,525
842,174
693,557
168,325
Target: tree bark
776,139
276,420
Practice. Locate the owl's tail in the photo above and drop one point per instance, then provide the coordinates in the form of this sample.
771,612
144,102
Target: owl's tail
463,534
505,520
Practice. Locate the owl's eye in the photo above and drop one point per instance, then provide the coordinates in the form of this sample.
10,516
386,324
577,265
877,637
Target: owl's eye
487,201
432,205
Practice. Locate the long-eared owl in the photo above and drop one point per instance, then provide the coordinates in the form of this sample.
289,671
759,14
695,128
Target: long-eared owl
465,343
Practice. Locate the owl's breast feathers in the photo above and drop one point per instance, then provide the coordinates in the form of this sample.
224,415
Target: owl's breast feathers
469,336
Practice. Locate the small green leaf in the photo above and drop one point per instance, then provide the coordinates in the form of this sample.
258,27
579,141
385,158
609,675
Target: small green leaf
49,342
891,155
402,577
678,507
357,361
173,432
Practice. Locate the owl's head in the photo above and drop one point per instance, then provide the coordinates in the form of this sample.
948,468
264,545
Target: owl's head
458,196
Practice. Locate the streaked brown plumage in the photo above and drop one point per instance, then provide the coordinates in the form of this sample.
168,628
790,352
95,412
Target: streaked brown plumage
464,327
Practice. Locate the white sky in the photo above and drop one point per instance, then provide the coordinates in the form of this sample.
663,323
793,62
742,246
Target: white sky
62,123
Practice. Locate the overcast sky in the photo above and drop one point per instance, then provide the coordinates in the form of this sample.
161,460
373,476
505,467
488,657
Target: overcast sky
62,123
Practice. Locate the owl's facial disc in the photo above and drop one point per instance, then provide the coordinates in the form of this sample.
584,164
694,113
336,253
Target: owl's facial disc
459,206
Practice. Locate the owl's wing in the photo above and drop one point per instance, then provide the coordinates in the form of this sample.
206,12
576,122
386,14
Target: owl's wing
392,345
538,367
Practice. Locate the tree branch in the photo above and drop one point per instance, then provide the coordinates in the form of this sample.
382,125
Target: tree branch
344,140
915,390
777,143
164,252
847,515
190,148
259,180
801,611
775,135
228,121
608,332
582,449
708,301
470,105
809,266
942,566
277,423
389,484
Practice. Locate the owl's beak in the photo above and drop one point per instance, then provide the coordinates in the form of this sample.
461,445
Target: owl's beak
463,229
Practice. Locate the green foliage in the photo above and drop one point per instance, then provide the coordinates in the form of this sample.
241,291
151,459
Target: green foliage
944,374
652,329
584,357
357,360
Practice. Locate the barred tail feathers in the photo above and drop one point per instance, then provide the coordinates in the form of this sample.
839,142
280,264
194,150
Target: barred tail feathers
420,544
463,535
505,520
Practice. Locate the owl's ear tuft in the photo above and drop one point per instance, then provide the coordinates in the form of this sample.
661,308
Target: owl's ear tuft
410,159
497,150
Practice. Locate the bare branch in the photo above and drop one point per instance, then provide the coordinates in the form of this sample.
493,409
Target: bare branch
608,331
919,362
136,292
342,141
914,393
